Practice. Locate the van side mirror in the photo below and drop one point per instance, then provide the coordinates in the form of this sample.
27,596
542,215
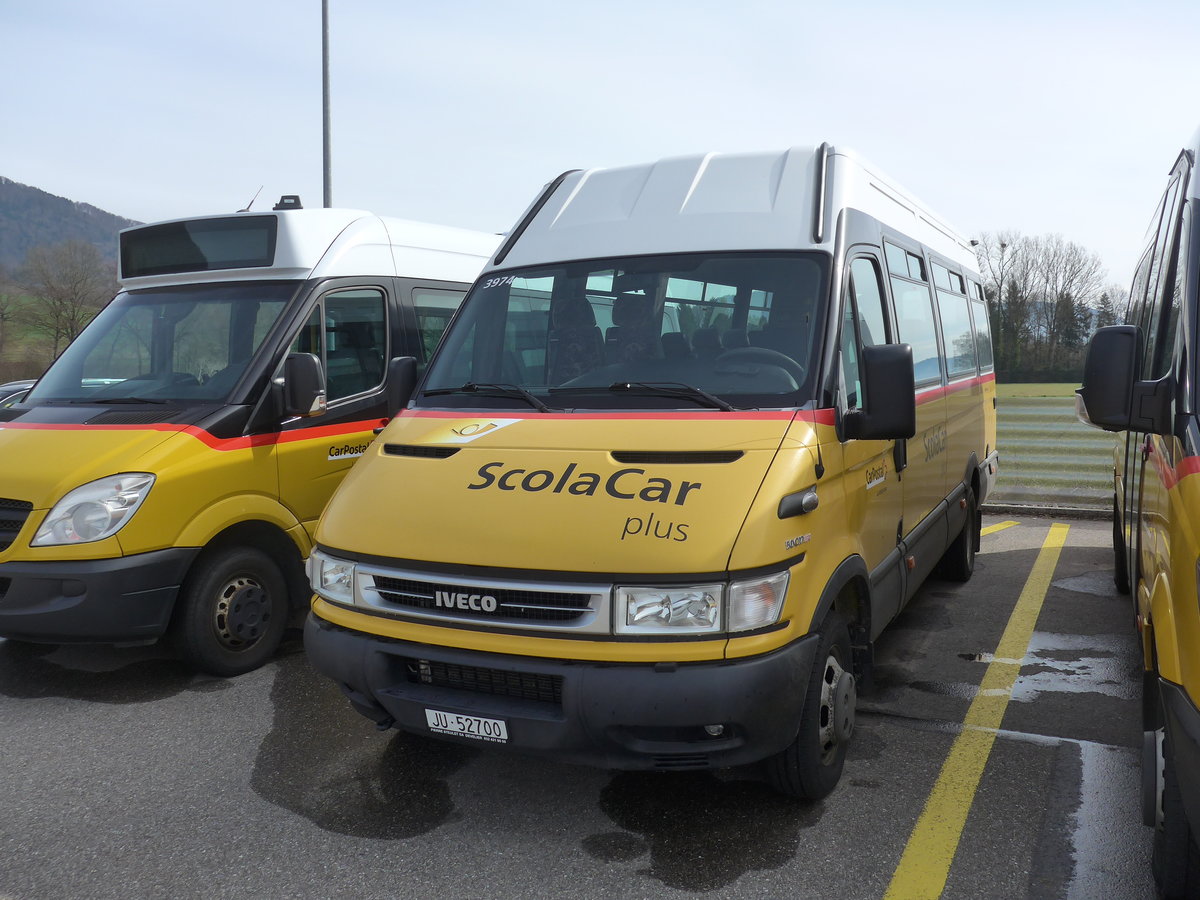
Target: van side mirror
401,380
1111,397
303,385
889,403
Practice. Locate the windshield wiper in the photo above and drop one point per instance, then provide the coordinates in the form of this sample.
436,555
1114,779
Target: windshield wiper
107,400
494,388
673,389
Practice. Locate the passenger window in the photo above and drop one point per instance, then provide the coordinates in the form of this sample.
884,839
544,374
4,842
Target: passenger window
348,332
1163,365
956,334
914,316
434,310
983,334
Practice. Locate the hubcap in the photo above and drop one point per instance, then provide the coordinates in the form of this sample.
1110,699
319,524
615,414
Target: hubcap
838,698
242,612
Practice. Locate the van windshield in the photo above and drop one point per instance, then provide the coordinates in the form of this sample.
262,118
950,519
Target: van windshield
681,331
187,344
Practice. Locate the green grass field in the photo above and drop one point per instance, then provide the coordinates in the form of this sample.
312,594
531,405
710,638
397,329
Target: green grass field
1064,391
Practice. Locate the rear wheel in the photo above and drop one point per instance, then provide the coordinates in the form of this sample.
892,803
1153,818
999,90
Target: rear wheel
1120,552
810,767
958,562
233,611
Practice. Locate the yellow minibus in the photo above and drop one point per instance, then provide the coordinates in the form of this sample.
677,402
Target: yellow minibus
1140,381
165,474
670,542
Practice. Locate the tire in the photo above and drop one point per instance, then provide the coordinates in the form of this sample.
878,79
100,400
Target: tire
1120,553
233,611
958,562
1176,859
809,768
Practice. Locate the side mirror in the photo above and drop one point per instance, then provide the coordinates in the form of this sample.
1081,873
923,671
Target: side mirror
303,386
889,403
1111,397
401,380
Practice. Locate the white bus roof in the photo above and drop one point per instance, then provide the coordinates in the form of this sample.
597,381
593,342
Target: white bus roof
308,243
722,201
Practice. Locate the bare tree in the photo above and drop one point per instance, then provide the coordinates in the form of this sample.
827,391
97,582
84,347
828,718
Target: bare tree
69,284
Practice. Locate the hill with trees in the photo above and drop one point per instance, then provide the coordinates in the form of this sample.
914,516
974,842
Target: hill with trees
31,218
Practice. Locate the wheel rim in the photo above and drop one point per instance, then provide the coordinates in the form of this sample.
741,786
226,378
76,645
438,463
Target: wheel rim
242,612
838,697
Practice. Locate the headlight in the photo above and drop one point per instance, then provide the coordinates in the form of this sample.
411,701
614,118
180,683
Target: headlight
753,604
332,578
701,608
94,511
649,610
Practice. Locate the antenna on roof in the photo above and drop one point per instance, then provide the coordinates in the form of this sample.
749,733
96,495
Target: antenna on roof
252,199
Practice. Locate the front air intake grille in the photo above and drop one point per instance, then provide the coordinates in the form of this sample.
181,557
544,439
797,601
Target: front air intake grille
419,451
509,604
676,457
13,514
681,761
478,680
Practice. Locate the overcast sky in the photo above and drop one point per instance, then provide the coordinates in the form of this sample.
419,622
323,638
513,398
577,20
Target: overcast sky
1033,115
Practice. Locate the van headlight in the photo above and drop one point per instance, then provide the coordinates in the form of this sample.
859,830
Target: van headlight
701,608
332,578
94,511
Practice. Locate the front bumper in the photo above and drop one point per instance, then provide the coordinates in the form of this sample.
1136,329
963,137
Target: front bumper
615,716
123,600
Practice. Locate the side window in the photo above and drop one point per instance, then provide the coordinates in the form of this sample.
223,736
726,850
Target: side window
983,334
1174,301
914,312
434,308
348,332
955,314
864,324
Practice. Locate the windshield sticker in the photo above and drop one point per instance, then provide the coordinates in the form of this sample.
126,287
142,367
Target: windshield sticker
467,430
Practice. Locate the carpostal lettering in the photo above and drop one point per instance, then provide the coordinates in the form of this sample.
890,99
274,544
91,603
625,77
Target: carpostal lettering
347,450
623,484
472,602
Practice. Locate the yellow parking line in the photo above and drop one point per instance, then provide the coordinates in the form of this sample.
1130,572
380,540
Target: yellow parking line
925,864
999,526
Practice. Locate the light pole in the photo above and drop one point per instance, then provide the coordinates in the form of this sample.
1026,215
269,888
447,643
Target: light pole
328,193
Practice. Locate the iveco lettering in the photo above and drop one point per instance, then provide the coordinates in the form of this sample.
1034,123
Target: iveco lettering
165,475
700,429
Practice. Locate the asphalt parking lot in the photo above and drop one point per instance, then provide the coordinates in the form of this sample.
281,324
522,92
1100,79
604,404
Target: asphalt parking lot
996,755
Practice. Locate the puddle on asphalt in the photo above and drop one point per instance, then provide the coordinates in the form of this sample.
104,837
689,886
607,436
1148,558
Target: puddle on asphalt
1098,583
96,674
1073,664
326,763
700,833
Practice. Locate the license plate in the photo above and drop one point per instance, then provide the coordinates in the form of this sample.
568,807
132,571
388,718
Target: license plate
467,726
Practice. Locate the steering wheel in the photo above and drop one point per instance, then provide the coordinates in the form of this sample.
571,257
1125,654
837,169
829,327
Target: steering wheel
766,357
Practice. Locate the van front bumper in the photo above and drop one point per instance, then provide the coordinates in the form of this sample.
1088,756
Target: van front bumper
615,716
123,600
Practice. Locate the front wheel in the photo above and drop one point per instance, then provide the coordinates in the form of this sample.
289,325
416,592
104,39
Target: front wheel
233,611
809,768
1176,859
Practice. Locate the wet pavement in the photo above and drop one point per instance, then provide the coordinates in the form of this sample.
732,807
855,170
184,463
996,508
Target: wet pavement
123,775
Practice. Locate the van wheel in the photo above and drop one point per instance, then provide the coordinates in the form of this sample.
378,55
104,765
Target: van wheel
233,611
1120,557
958,562
809,768
1176,859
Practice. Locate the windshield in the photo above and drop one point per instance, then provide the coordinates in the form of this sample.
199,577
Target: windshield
679,331
182,344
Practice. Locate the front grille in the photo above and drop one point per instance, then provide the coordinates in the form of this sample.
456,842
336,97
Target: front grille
479,680
13,514
133,417
4,583
511,604
681,761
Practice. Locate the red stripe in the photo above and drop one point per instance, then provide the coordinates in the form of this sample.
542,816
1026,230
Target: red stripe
215,443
